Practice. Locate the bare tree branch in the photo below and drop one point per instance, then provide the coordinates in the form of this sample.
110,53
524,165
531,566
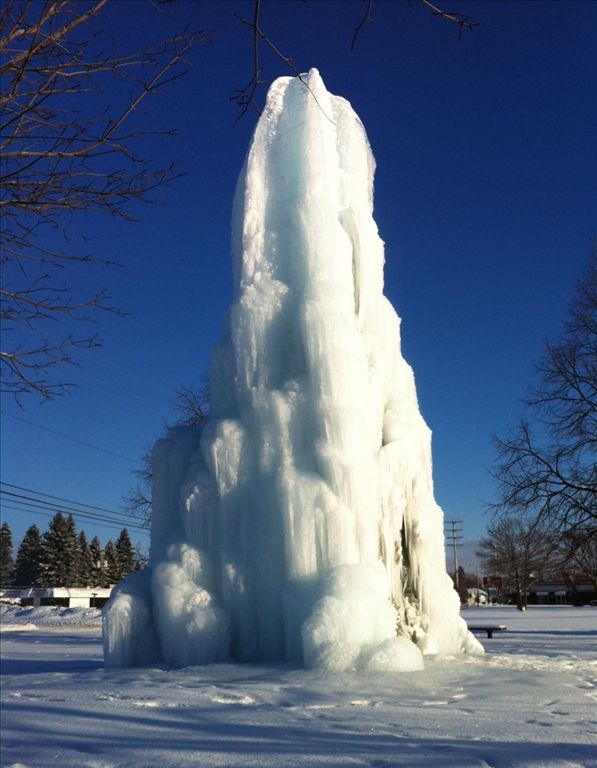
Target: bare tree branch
463,22
192,404
367,17
65,149
550,470
245,97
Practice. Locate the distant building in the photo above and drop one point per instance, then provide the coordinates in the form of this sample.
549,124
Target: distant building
75,597
560,593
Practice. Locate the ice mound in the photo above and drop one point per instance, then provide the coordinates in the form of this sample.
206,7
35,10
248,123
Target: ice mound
299,521
353,625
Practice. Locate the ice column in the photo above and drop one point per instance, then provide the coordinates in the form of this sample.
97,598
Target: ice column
299,522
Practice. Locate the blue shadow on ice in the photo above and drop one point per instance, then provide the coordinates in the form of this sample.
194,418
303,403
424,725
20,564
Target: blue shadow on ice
197,737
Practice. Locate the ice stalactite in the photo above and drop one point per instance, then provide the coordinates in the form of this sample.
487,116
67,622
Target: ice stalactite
299,522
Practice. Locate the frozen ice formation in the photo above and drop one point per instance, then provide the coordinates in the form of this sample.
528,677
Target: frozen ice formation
298,522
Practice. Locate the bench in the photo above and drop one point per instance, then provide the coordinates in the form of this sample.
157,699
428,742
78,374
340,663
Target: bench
489,629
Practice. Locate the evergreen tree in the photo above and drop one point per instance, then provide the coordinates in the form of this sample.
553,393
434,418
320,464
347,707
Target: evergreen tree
6,562
28,569
141,558
125,559
72,553
84,562
110,564
97,575
60,552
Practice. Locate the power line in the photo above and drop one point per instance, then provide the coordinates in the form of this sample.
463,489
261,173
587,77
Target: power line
27,502
50,515
32,506
61,498
72,439
141,379
108,388
118,517
88,511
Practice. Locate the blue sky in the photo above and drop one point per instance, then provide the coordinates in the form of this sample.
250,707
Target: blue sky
485,197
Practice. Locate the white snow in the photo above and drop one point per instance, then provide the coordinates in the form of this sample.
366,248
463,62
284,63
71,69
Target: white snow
17,627
47,616
529,702
299,522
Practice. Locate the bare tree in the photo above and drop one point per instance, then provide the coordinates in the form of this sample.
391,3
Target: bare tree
517,549
138,500
547,468
191,404
66,149
578,559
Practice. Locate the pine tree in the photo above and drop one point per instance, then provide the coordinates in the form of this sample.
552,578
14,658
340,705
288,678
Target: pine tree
28,569
97,575
125,559
6,562
110,563
84,562
71,553
60,552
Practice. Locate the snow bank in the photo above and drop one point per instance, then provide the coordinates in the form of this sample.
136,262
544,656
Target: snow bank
12,616
299,522
19,627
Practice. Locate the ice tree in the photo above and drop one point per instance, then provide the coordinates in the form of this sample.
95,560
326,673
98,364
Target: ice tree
298,520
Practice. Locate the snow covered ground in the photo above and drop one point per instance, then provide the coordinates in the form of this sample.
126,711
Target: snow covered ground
13,617
530,702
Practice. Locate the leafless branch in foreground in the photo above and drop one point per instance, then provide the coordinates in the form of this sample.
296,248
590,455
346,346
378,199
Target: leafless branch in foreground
463,22
67,149
367,18
245,97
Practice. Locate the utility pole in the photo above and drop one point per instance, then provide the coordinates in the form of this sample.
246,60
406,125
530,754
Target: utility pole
453,538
